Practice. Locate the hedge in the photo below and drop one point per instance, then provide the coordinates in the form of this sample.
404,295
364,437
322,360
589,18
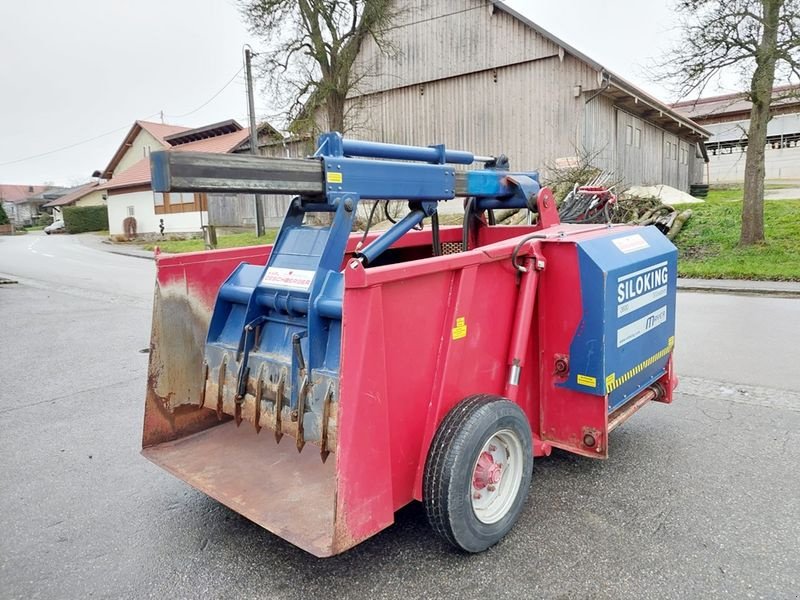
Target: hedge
78,219
3,216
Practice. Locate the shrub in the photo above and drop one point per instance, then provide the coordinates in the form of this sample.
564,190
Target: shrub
44,220
78,219
3,216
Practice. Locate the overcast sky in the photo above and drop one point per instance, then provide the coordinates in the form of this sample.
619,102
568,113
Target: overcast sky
76,70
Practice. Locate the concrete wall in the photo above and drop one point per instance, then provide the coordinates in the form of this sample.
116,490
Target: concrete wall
147,221
727,166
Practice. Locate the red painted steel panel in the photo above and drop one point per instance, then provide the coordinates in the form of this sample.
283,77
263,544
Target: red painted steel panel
417,337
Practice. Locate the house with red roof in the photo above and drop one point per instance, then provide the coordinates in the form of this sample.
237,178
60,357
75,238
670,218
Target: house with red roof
129,194
87,194
22,202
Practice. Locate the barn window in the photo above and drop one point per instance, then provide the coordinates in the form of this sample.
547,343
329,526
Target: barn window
669,150
637,138
629,134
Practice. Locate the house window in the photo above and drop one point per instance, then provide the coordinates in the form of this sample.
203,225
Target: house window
146,151
637,138
629,134
176,202
130,211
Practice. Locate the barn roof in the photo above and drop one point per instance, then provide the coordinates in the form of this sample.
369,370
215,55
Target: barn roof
625,94
737,106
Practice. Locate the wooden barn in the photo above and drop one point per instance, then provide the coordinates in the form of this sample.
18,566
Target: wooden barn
479,76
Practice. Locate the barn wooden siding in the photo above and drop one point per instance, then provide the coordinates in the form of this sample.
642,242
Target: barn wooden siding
639,152
478,79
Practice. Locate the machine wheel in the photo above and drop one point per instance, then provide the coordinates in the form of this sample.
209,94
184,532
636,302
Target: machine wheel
478,472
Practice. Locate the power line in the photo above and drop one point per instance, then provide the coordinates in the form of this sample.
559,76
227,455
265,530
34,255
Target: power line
68,146
207,102
97,137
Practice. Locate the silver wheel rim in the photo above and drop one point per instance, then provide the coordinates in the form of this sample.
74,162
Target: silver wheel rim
496,476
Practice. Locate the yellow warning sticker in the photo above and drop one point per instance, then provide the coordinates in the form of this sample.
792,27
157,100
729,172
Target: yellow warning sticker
587,381
613,382
334,177
610,380
460,330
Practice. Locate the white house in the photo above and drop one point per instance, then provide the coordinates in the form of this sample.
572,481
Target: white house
87,194
128,189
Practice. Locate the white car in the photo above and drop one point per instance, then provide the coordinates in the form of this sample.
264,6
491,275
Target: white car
55,227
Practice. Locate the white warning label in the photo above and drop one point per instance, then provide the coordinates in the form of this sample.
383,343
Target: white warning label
293,279
630,243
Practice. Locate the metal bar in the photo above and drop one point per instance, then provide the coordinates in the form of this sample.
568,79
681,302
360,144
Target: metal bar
234,173
399,152
242,173
521,331
390,236
619,416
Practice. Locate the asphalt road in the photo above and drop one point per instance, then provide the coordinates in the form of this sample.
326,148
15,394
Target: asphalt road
700,499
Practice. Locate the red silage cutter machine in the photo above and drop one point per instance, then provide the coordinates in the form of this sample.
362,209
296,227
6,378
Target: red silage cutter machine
409,364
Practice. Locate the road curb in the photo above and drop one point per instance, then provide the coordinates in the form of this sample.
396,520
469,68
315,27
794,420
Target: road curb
706,288
150,256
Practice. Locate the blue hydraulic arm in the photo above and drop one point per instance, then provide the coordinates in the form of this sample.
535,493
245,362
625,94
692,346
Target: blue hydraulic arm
282,322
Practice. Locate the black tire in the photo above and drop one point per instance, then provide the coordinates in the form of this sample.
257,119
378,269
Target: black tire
451,467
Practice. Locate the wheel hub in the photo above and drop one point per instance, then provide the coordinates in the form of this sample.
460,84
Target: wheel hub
487,472
496,476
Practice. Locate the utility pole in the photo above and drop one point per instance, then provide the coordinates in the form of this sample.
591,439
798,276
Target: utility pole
251,106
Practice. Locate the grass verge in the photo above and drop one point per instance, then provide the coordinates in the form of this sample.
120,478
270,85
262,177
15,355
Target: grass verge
233,240
708,245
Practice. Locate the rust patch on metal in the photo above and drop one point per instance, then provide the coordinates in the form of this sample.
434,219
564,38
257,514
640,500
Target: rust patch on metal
326,409
175,372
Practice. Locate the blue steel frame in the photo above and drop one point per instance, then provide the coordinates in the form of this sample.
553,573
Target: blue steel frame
280,329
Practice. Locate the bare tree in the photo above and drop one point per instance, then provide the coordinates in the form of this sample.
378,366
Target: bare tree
310,53
760,39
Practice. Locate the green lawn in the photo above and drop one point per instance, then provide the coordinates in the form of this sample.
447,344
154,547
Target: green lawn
233,240
708,244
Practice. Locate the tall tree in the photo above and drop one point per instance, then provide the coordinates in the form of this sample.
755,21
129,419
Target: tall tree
761,40
310,51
